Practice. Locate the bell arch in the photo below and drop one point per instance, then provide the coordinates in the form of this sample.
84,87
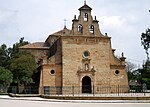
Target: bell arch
91,29
80,28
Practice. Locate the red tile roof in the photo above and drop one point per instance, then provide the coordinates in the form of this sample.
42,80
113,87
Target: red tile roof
62,32
39,45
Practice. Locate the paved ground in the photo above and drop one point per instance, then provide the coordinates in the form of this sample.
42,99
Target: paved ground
27,103
6,101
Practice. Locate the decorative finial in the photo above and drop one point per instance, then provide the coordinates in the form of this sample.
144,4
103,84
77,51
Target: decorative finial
74,16
122,54
84,2
122,58
95,17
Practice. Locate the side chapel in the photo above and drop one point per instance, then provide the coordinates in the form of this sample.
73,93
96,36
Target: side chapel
81,57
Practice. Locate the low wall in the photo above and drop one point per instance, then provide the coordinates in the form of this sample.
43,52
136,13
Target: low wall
94,98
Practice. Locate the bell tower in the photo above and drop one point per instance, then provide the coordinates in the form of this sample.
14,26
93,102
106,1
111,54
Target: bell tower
85,25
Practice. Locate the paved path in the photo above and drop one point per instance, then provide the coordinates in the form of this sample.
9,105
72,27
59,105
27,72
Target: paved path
76,101
29,103
72,101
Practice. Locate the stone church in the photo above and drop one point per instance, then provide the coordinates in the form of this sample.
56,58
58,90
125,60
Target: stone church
79,60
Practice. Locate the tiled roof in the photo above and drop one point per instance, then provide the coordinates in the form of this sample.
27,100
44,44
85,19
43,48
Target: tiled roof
85,7
40,45
64,31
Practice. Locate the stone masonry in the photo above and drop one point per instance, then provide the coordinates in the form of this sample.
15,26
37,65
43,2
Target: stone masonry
81,58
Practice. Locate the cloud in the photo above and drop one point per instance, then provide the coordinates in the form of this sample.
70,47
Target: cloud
111,21
125,32
8,26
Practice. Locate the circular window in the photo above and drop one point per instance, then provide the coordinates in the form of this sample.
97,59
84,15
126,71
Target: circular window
117,72
86,54
52,72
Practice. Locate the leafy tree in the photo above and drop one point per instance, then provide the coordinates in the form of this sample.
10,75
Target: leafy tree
16,46
4,56
6,77
145,41
22,66
146,73
143,75
7,53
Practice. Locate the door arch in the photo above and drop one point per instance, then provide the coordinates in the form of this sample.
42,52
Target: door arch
86,84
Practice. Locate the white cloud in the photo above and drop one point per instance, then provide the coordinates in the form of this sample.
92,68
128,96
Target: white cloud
111,21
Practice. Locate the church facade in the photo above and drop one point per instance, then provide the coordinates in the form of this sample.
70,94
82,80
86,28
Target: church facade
81,58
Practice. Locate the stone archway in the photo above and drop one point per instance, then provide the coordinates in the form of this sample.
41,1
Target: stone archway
86,84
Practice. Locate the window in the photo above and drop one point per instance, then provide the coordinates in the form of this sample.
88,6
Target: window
91,28
80,28
52,72
85,17
117,72
86,54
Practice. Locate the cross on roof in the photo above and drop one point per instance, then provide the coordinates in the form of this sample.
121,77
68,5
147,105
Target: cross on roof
65,21
84,2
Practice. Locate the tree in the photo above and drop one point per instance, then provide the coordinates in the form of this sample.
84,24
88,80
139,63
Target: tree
6,77
130,67
145,72
22,66
145,41
7,53
143,75
4,56
146,68
16,46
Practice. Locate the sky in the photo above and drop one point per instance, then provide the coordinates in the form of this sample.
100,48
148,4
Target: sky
123,20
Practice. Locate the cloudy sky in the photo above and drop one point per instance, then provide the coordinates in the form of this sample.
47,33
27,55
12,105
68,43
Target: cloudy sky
123,20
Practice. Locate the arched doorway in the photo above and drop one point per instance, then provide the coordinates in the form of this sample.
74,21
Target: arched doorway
86,84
